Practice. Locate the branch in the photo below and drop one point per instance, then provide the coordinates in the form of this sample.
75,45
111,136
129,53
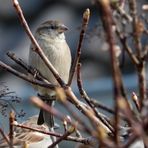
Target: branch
87,99
25,77
11,134
123,41
88,140
29,69
85,21
63,137
38,102
62,97
5,137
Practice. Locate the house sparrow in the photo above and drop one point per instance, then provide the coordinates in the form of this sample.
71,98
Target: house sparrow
51,38
28,138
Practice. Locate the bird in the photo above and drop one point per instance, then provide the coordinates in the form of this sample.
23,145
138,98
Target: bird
25,137
51,38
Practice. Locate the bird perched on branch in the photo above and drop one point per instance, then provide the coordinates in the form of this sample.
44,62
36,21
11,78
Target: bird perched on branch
51,38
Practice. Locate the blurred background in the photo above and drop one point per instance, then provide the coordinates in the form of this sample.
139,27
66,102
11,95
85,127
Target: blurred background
96,68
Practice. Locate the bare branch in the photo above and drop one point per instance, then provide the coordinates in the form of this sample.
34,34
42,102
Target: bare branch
67,133
5,137
25,77
11,134
30,69
87,99
85,21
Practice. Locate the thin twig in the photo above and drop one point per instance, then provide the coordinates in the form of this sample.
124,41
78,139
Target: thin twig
65,135
87,99
62,96
93,119
102,106
38,102
124,14
11,134
138,29
69,138
5,137
85,21
25,77
123,40
31,70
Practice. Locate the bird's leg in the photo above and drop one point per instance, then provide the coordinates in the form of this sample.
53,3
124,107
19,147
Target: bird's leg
46,116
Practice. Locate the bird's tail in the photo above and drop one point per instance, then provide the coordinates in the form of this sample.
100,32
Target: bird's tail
46,117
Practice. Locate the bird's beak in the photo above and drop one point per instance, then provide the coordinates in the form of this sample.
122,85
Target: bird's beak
62,29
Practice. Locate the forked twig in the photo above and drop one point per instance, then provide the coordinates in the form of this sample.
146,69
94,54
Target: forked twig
87,99
25,77
29,69
65,135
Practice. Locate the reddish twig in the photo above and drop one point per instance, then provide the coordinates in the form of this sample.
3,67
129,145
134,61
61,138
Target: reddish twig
11,134
85,21
69,138
87,99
